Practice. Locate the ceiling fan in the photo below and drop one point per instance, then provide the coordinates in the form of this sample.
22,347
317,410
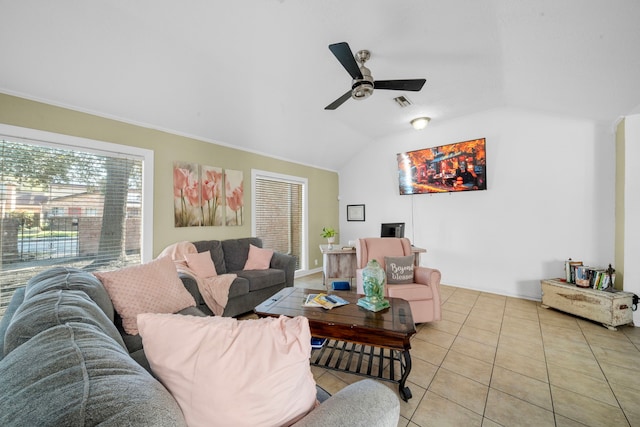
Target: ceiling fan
363,84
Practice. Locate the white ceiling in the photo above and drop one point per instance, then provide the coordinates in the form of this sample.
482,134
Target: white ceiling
257,74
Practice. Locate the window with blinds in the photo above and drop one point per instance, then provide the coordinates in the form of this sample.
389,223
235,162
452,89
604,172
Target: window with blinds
278,213
62,205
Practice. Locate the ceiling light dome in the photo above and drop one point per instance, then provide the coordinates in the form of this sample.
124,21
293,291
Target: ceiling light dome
420,122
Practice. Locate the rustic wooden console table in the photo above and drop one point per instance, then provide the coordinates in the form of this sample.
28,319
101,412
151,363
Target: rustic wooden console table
609,308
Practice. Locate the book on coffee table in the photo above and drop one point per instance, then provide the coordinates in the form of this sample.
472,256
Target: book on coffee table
309,301
329,301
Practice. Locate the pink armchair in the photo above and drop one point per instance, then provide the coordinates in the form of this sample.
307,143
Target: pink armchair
423,295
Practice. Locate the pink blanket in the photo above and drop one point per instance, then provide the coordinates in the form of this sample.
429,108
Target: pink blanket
214,290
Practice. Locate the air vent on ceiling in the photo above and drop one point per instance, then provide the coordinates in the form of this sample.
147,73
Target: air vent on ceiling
402,101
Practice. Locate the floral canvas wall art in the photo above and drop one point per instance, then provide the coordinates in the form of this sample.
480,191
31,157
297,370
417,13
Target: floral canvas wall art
186,195
211,202
234,196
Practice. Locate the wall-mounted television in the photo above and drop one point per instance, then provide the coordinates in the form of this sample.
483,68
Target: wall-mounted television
447,168
392,229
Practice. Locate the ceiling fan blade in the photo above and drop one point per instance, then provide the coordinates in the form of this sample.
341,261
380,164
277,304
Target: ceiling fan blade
342,51
410,85
338,102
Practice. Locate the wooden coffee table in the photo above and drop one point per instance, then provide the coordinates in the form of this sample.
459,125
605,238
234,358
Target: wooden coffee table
360,342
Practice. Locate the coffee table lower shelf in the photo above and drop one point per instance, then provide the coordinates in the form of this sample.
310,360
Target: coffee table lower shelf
369,361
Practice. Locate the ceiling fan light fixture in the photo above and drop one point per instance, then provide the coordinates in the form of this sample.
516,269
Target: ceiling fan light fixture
420,122
362,89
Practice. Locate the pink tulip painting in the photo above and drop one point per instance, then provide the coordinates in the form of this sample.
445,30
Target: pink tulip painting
211,195
186,195
234,196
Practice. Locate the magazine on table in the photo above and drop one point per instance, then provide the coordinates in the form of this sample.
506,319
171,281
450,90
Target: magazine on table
309,301
329,301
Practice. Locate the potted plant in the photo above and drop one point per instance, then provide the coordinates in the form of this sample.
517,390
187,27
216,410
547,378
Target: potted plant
330,234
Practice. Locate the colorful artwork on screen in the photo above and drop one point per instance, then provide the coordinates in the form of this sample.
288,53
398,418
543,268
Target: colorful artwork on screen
443,169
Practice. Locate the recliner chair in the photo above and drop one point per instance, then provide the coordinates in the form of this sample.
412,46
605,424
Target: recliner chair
423,295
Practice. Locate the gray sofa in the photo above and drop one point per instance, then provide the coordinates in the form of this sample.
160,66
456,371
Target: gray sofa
251,287
64,363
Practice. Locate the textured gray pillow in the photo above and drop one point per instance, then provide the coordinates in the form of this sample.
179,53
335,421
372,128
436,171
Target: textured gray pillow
399,269
71,279
53,308
74,375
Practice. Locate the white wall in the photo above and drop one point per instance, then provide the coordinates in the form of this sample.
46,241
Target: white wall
550,197
632,209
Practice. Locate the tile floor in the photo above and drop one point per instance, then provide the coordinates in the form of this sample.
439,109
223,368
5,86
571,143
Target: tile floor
499,361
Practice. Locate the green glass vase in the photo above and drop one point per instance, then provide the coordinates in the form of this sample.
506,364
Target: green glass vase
373,278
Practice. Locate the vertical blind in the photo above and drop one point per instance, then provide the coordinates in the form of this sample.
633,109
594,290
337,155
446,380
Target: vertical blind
279,215
63,206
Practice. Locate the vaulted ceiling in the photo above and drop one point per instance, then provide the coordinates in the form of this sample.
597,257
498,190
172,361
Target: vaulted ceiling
257,74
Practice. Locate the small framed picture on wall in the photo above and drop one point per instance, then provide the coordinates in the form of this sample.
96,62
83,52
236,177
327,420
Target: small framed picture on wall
355,212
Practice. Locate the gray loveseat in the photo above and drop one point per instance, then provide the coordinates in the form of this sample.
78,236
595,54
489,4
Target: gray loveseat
251,287
63,362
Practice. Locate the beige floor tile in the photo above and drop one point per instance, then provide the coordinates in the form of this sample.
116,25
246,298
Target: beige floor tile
428,352
465,297
623,359
518,313
492,299
437,411
403,422
586,410
422,372
521,304
485,324
453,316
507,410
617,342
331,383
486,422
469,367
549,316
590,326
521,364
567,422
434,336
631,332
554,341
580,383
487,312
456,307
521,328
586,364
567,334
617,375
407,409
475,349
461,390
480,335
629,399
532,348
445,326
523,387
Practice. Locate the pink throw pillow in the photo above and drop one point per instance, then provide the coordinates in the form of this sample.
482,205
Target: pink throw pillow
234,372
153,287
259,259
201,264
